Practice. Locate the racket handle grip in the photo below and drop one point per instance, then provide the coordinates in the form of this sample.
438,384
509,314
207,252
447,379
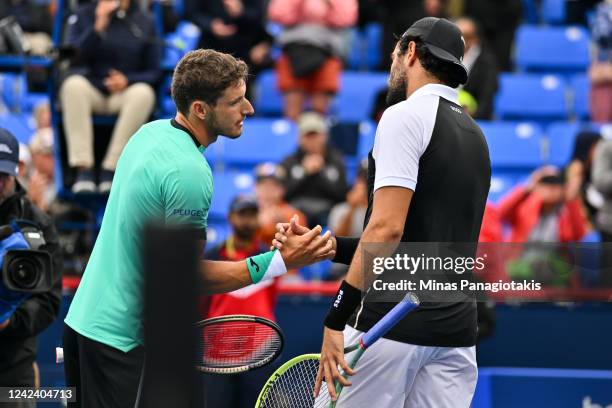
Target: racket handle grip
399,311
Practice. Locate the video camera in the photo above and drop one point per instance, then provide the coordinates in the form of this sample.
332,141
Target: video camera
24,268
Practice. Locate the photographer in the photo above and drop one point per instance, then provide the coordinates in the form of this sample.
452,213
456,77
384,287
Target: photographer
18,333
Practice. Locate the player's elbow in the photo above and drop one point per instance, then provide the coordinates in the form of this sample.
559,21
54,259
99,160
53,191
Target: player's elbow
385,230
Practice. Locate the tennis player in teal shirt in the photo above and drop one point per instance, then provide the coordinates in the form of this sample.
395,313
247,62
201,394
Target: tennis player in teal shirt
162,174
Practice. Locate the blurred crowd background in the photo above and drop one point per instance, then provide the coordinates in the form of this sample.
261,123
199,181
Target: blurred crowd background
82,76
78,78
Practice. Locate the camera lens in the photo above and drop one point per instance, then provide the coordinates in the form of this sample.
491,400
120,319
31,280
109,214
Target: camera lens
23,273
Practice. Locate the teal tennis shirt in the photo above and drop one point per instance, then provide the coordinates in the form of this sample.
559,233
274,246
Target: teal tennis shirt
161,175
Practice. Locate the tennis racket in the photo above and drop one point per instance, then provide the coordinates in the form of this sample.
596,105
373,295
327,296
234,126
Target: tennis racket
292,384
237,343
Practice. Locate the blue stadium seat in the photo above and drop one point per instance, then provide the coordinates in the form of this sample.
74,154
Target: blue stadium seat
178,43
18,125
355,98
513,145
364,47
531,97
262,140
501,184
367,131
561,138
172,51
581,88
31,100
167,106
530,11
552,49
373,36
553,11
12,90
216,232
354,59
269,100
227,186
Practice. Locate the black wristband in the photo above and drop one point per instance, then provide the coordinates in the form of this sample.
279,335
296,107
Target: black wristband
346,301
345,249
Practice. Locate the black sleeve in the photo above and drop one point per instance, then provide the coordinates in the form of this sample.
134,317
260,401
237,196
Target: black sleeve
345,249
38,312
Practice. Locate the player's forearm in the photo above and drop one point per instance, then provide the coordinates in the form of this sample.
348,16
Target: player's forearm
224,276
219,276
378,233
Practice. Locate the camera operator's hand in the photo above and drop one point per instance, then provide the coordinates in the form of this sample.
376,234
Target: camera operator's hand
104,11
4,324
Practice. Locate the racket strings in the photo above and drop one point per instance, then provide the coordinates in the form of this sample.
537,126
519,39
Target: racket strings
294,388
232,344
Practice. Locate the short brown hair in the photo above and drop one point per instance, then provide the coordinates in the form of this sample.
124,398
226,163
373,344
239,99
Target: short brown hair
205,74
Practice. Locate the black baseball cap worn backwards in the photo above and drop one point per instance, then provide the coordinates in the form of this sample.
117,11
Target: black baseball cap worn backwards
443,39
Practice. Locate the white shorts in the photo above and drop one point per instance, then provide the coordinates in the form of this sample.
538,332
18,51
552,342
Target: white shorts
391,374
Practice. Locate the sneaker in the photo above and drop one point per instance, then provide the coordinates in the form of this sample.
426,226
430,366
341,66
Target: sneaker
106,181
84,182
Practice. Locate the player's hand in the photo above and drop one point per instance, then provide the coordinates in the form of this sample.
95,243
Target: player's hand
332,357
283,228
306,249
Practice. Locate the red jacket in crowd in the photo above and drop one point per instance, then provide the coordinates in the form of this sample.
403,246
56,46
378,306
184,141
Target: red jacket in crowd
521,210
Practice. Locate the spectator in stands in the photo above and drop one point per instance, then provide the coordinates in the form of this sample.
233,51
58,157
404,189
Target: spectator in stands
582,162
491,229
478,92
235,27
346,218
270,192
499,20
119,66
20,328
240,391
547,209
398,15
312,42
42,190
600,72
316,175
25,163
602,180
35,19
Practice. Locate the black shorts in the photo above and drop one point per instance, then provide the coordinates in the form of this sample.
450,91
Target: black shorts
104,377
